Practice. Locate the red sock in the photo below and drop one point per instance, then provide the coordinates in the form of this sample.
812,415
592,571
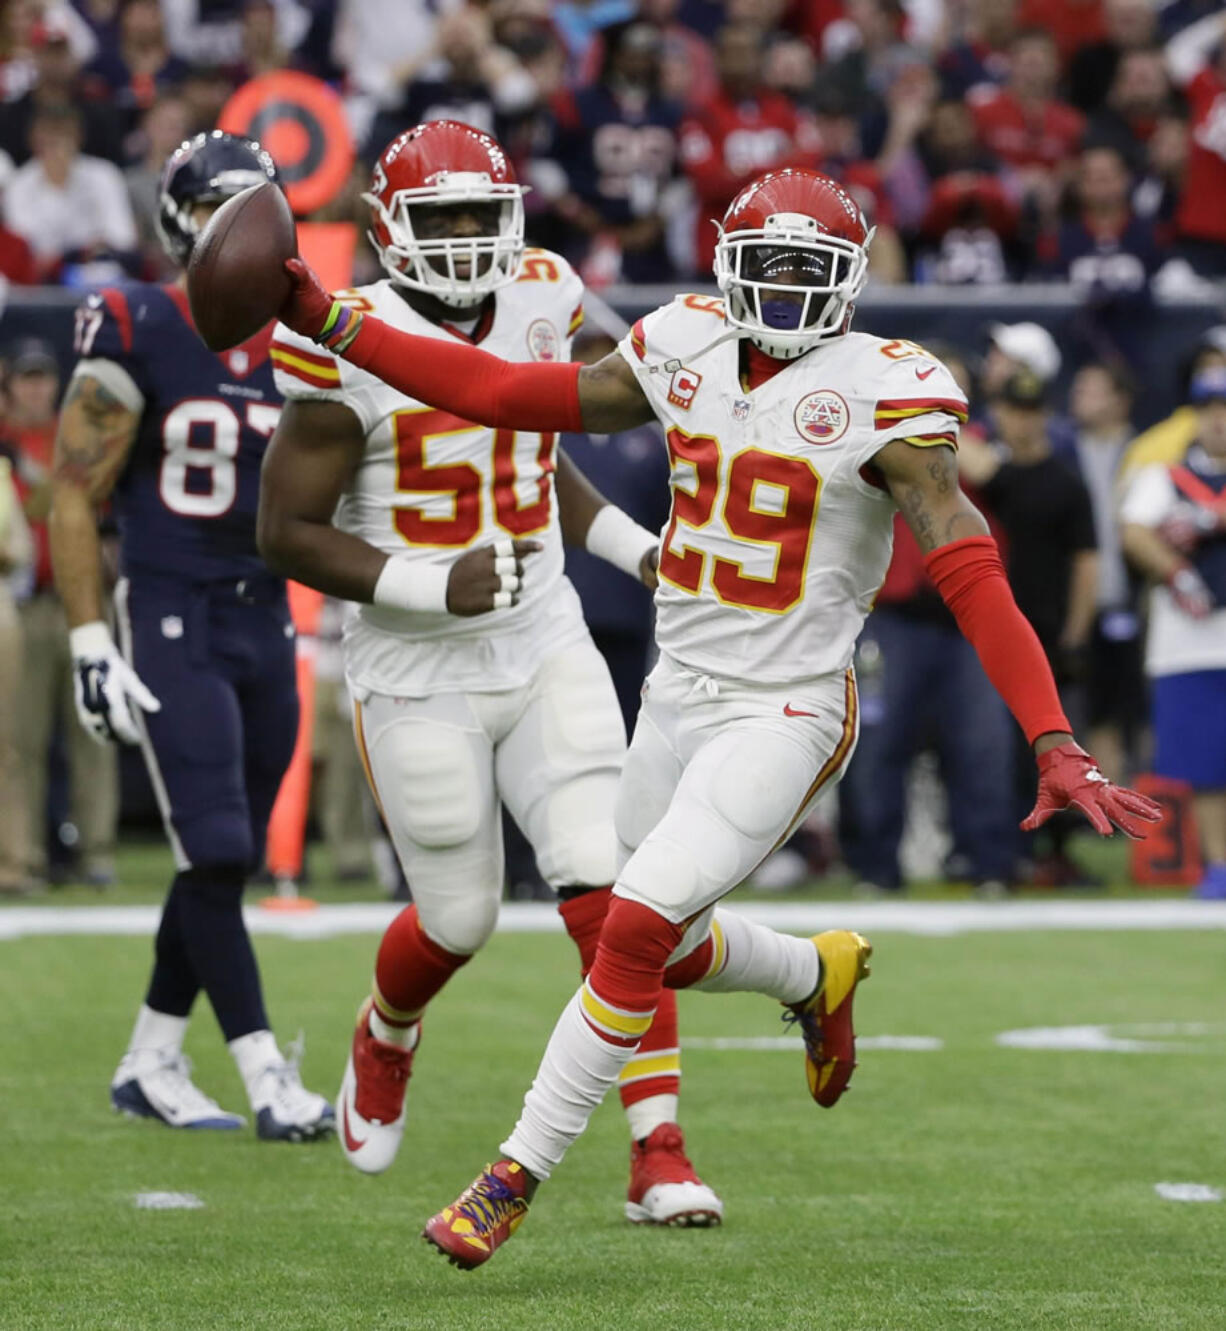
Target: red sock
628,974
410,969
689,970
583,916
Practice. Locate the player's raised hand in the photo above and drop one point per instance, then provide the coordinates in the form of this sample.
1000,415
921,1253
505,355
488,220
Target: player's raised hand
1069,778
107,691
489,578
309,303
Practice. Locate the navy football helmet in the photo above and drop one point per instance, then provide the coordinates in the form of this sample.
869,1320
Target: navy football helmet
210,168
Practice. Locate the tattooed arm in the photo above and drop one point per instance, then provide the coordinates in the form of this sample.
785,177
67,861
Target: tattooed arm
96,432
924,483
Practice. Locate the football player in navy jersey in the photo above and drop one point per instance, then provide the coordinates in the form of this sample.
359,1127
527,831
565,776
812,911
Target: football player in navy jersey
203,676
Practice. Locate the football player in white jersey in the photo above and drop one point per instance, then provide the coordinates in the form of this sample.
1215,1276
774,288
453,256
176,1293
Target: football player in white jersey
475,682
792,442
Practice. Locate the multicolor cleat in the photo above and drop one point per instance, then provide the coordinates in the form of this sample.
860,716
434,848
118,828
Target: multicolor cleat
482,1217
664,1189
371,1098
825,1019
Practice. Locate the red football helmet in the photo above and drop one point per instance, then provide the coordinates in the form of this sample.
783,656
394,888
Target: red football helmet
791,259
446,162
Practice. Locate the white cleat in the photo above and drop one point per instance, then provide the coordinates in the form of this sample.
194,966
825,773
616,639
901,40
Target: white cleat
157,1083
371,1098
285,1111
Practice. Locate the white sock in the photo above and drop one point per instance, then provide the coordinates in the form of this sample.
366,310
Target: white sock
253,1053
403,1036
157,1030
645,1116
760,960
574,1076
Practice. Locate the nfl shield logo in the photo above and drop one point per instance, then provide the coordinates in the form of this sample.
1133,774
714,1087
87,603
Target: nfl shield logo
240,363
741,407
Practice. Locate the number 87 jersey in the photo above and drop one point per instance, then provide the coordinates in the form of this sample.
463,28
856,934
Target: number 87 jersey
780,532
187,498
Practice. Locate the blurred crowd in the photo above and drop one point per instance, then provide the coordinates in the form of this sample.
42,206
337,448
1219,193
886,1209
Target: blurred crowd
1080,141
987,140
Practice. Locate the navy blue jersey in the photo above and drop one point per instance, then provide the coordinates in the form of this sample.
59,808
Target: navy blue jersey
186,500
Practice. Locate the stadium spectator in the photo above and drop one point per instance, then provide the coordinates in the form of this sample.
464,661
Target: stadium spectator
205,90
212,32
1071,23
687,63
980,55
1197,60
1020,346
472,79
1167,441
1160,187
1100,402
59,82
261,45
744,130
1139,98
916,673
535,43
130,75
70,208
1129,25
164,127
17,263
968,231
1024,123
19,24
47,707
14,559
1044,510
866,55
611,171
1108,254
1175,532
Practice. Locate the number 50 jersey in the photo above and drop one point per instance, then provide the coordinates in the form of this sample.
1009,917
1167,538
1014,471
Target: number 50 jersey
780,533
187,498
431,485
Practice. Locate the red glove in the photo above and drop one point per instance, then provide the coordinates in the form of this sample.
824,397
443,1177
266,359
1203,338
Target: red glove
309,303
1189,592
1069,778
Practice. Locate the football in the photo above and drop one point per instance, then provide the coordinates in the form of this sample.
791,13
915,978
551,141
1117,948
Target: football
236,278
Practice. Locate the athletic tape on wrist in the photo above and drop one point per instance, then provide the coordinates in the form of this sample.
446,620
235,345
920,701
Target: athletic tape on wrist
340,328
616,537
408,586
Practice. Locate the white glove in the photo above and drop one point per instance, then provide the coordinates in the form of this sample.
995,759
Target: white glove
104,686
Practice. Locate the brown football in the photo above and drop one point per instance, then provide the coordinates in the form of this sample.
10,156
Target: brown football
236,279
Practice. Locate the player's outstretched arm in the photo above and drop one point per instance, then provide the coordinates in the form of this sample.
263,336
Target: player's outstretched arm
963,561
96,431
591,522
452,376
315,450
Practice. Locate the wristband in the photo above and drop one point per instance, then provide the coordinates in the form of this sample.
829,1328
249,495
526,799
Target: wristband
404,585
617,538
92,639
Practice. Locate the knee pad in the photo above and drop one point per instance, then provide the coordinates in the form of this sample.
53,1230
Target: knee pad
459,926
221,836
429,783
752,796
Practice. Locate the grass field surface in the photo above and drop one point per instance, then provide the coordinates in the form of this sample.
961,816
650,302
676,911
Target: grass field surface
970,1186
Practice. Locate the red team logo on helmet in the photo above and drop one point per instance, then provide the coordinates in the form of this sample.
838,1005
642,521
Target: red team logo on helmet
822,417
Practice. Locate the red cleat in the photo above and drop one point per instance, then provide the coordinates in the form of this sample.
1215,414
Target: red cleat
482,1217
825,1019
370,1105
664,1189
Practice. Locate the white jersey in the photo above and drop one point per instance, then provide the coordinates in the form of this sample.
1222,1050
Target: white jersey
779,536
431,486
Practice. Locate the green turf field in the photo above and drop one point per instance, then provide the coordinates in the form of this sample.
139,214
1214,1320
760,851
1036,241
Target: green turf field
971,1187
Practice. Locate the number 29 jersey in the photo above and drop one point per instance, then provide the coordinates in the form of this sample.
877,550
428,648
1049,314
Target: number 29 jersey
780,532
186,500
431,485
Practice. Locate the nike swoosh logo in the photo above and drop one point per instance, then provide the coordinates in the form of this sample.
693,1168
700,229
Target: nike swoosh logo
923,374
789,710
352,1143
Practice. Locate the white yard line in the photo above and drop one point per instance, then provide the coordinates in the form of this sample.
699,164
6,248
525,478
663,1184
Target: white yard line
933,918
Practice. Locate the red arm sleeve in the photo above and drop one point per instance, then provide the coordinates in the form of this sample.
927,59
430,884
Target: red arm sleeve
971,578
468,381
